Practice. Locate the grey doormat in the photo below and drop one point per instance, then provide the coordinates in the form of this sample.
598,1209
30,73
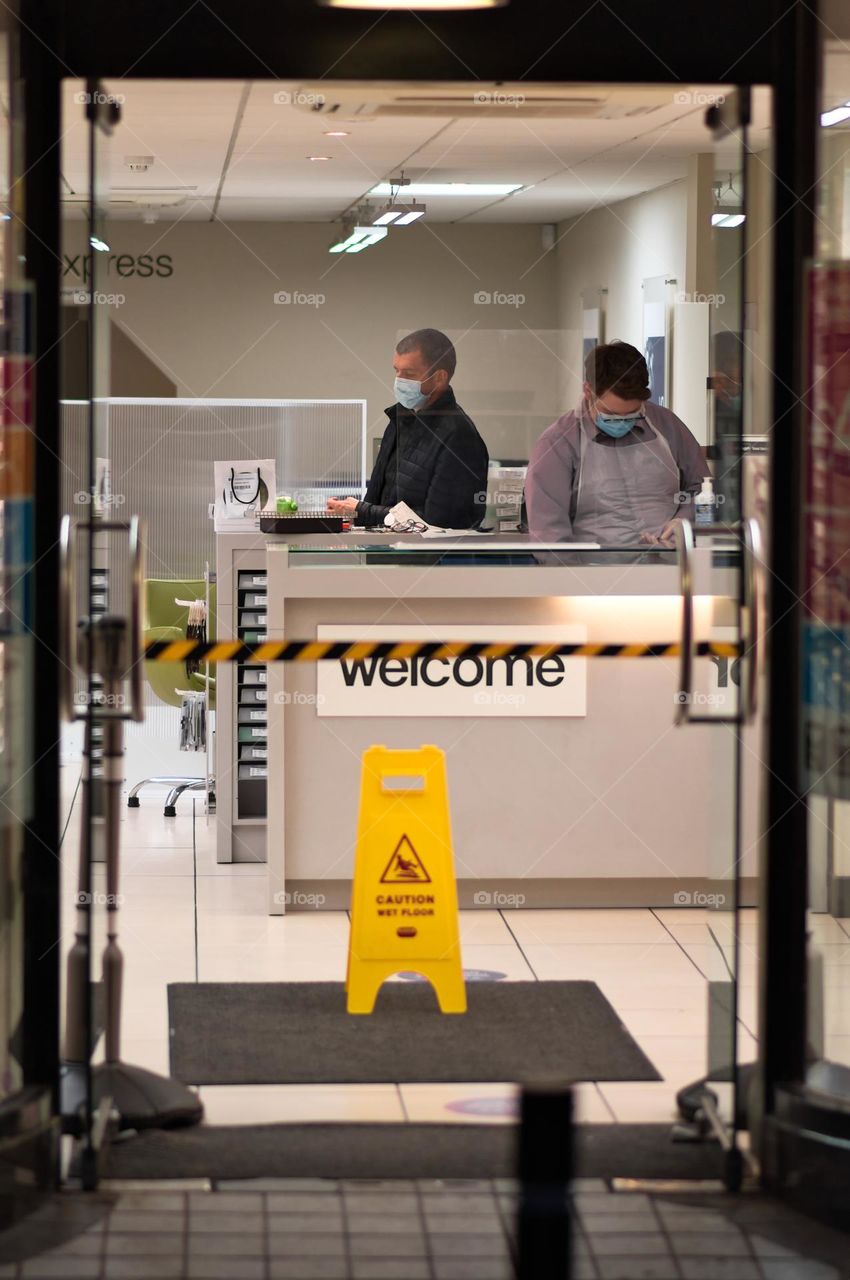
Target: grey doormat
300,1033
398,1151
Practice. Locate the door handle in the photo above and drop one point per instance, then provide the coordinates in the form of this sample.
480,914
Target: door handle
749,535
70,643
137,586
67,621
684,535
753,576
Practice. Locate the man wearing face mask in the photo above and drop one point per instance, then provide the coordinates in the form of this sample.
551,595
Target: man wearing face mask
617,470
431,455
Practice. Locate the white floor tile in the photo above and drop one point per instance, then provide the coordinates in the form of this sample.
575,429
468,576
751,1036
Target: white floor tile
835,955
665,1022
500,959
837,1048
663,964
487,1104
262,961
486,928
625,994
672,916
279,1104
562,927
640,1102
825,928
676,1057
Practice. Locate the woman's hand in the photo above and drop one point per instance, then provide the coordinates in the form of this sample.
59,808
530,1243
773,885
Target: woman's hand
342,506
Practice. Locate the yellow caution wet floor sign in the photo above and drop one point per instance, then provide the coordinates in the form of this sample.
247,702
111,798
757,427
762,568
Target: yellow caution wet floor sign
404,896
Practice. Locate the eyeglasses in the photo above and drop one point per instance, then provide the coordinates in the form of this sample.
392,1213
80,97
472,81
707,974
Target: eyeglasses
619,417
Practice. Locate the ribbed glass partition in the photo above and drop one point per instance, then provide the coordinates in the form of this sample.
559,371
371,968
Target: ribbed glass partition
162,453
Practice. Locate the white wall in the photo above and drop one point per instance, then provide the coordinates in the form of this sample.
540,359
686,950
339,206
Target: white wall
214,327
616,248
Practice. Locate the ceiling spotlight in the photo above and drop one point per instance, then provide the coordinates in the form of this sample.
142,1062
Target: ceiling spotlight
397,215
97,243
337,133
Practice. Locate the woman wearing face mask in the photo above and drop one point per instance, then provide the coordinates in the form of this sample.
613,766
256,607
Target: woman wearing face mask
431,456
617,470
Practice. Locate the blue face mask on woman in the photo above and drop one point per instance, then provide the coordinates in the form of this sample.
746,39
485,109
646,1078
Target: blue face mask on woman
408,392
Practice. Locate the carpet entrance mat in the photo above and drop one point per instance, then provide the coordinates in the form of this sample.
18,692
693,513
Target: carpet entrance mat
398,1151
300,1033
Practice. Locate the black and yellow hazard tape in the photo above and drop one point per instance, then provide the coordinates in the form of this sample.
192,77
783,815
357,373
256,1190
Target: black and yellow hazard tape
215,652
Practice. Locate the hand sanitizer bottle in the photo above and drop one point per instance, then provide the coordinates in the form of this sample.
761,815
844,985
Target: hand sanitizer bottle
704,504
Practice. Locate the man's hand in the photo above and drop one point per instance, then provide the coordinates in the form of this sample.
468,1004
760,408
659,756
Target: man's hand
342,506
665,537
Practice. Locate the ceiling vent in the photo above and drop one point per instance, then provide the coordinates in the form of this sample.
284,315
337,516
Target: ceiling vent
138,164
126,198
355,101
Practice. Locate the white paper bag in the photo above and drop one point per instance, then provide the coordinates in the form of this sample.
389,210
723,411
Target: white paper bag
242,490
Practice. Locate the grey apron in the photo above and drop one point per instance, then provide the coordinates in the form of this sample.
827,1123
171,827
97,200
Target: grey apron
623,490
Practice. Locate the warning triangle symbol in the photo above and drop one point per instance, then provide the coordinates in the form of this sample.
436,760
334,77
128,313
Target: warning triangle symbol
405,866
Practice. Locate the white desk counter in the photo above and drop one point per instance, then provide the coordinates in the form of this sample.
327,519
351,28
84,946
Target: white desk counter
569,784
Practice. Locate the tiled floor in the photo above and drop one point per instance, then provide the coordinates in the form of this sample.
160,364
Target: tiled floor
183,916
327,1230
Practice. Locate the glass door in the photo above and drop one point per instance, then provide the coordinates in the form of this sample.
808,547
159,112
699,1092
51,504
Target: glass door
727,699
96,594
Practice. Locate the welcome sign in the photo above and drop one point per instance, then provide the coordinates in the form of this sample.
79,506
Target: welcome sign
468,686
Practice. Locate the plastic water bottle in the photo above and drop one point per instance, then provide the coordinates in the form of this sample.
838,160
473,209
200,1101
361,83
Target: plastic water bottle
704,504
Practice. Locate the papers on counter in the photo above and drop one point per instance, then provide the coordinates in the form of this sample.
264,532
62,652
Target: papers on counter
529,546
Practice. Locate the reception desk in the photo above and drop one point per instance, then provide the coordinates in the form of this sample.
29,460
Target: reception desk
569,784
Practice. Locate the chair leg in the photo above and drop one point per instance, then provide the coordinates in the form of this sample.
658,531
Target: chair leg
186,784
133,801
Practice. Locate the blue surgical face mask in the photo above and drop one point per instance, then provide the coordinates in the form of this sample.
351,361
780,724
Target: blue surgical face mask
409,393
615,426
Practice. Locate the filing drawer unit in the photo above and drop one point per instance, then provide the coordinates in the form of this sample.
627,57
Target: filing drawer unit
251,732
241,719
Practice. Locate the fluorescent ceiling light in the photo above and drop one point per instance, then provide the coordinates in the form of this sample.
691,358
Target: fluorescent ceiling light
337,133
385,217
410,215
399,215
373,235
97,243
449,189
357,238
836,115
727,219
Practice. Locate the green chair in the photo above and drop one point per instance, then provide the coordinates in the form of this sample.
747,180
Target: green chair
166,620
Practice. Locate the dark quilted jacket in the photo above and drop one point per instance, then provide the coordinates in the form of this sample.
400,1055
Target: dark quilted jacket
435,461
